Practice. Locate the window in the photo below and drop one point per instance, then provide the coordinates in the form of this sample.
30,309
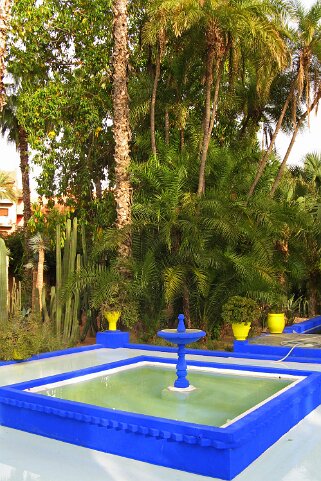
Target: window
4,212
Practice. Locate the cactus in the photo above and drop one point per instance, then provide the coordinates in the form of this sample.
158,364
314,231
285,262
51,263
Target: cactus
14,301
3,281
55,302
64,306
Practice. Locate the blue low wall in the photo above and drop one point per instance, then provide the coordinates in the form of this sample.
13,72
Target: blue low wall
62,352
305,327
292,353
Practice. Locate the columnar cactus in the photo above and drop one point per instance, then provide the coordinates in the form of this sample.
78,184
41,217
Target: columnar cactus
14,298
3,281
66,305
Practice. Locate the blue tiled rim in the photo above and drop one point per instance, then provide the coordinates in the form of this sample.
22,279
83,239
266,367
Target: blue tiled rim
62,352
305,327
288,353
216,452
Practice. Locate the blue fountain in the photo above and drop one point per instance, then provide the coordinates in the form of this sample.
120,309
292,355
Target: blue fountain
181,336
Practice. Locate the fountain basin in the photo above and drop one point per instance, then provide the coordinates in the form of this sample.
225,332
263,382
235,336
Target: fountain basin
190,446
187,337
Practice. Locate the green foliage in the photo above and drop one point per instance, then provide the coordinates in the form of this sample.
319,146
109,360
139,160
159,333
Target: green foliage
189,253
15,243
240,309
108,289
64,94
24,337
7,189
45,219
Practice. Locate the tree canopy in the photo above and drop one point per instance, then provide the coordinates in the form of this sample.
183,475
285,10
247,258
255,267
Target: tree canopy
155,123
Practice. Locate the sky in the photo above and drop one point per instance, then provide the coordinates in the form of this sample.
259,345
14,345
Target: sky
9,161
307,141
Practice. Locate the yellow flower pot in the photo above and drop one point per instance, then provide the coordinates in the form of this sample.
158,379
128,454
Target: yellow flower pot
112,318
276,323
241,330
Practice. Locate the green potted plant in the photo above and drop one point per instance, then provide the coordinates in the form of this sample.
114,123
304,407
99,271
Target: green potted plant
276,316
240,312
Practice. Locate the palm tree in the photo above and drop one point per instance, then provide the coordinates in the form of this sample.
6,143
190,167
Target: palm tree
306,54
9,125
298,125
312,169
7,190
121,126
273,137
222,24
5,9
305,243
38,247
196,251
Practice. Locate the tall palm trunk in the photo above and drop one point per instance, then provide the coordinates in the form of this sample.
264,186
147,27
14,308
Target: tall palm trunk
295,133
266,154
206,120
24,167
153,101
219,69
216,47
166,126
208,125
121,127
5,9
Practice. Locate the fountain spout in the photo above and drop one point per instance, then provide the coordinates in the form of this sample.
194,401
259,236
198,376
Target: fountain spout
181,324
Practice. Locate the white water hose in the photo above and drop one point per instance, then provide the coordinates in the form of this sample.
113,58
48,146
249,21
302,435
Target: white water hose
300,343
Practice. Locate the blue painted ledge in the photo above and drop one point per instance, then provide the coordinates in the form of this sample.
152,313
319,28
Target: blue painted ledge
305,327
112,339
293,353
62,352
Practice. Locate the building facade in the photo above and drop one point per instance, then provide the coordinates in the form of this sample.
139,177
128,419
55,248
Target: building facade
11,212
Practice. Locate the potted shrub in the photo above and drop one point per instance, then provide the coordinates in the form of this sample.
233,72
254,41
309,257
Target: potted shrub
240,312
276,316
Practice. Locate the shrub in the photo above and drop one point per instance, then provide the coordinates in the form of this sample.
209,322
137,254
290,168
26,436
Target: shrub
240,309
23,337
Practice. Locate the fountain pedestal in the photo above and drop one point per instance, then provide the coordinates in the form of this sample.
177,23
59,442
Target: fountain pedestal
181,336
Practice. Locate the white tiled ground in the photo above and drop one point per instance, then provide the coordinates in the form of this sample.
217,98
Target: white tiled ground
25,457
